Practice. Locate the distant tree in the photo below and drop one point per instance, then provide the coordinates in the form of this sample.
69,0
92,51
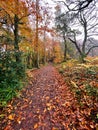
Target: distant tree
61,27
46,16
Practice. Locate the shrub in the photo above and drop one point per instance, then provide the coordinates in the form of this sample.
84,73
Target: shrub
11,77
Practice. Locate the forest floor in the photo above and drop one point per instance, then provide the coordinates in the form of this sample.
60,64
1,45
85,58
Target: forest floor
47,103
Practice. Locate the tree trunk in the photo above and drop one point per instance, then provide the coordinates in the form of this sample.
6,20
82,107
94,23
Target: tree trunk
37,46
44,46
16,46
65,48
65,51
82,56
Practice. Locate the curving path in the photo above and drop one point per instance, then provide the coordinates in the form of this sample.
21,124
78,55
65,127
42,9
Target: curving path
46,104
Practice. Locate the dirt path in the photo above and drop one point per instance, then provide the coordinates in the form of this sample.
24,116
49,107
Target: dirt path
46,104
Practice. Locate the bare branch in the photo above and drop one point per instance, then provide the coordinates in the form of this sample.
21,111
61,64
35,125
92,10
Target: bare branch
75,43
80,6
92,27
24,16
90,49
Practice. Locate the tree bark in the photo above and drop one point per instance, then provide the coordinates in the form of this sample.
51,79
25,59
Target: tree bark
82,54
37,46
16,39
45,46
65,48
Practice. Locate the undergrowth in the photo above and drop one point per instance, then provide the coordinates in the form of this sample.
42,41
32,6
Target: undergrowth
12,75
83,82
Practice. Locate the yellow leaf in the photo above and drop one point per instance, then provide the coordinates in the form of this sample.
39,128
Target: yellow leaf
74,84
48,104
45,110
92,126
74,128
2,115
11,117
49,108
19,120
35,126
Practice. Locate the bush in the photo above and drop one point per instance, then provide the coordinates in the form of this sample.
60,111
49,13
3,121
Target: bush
11,77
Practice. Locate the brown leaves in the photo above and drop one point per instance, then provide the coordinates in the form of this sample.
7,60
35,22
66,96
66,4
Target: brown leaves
82,79
49,102
54,128
8,127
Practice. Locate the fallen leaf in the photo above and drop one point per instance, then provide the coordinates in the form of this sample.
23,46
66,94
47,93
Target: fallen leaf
19,120
35,126
47,97
54,128
48,104
11,117
2,115
8,127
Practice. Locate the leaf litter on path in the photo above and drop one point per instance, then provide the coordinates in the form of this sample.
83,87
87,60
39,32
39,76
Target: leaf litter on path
45,104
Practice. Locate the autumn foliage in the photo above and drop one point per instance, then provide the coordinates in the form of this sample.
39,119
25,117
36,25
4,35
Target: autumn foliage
83,82
51,100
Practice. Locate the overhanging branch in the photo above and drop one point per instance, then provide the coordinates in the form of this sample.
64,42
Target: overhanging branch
90,49
81,5
75,43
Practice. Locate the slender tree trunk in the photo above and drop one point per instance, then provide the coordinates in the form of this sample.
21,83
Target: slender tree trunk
28,60
16,46
65,51
37,44
85,37
65,48
44,46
